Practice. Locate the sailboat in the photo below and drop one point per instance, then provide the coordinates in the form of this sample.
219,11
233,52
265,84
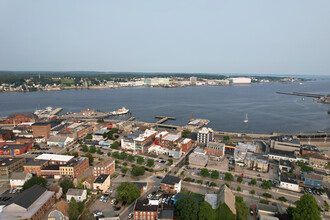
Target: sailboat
246,119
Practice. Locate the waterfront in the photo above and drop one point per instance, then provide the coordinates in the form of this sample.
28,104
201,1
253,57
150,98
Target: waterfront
224,106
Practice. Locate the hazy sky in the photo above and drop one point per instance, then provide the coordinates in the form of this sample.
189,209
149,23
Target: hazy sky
233,36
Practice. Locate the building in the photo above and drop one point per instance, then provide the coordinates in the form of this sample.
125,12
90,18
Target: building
74,167
286,166
289,183
31,204
55,158
282,155
239,80
41,129
285,143
21,117
15,149
198,159
142,186
313,180
204,136
60,211
171,184
6,135
226,196
215,149
308,149
317,160
185,144
18,179
78,194
102,183
9,165
169,140
106,166
59,141
88,182
51,171
267,212
144,210
34,166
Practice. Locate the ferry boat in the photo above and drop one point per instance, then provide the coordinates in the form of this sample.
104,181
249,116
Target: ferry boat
121,111
246,119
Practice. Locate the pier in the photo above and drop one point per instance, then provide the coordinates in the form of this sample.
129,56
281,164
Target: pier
163,119
301,94
56,111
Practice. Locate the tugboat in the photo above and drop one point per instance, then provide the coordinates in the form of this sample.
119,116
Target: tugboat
121,111
246,119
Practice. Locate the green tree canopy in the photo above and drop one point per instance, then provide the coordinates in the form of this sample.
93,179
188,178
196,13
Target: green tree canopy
150,162
266,185
253,182
84,148
205,211
73,209
137,171
306,209
187,209
128,192
124,170
90,158
130,158
239,179
185,133
229,177
92,149
35,180
115,155
122,156
215,174
99,151
170,162
242,210
66,185
205,172
140,160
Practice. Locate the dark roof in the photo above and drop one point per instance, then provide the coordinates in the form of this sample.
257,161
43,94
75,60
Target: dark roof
313,177
140,184
75,161
33,162
282,153
41,123
29,196
143,205
317,156
165,214
148,144
4,131
101,178
51,167
170,180
285,163
7,161
288,180
13,146
26,114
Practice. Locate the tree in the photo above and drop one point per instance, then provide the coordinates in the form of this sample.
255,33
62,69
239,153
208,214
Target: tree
206,211
90,158
187,209
66,185
122,156
238,189
282,198
150,162
212,184
239,179
124,164
131,158
252,192
124,170
306,208
215,174
200,181
35,180
266,185
226,138
75,154
205,172
109,154
115,145
73,209
229,177
99,151
267,195
137,171
182,173
188,179
92,149
186,163
100,120
140,160
185,133
115,155
128,192
89,137
170,162
242,210
253,182
84,148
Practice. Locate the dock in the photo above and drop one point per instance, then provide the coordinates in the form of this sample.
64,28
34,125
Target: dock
56,111
301,94
163,119
131,119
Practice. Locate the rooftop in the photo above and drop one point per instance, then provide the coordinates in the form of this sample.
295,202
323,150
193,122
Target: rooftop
140,185
104,163
313,176
170,180
54,157
13,146
282,153
143,205
75,161
75,192
26,114
33,162
7,161
18,175
101,178
29,196
288,180
166,214
57,138
317,156
51,167
286,163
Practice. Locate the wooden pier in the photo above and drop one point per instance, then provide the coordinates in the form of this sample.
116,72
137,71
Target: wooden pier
163,119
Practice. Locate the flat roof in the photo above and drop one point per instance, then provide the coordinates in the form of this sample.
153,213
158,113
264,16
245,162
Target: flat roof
7,161
55,157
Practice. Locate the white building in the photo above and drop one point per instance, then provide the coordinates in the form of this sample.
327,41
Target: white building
78,194
18,179
239,80
289,184
204,135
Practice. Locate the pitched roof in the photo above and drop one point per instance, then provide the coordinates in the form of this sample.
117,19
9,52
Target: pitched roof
90,179
29,196
226,196
26,114
18,175
170,180
75,192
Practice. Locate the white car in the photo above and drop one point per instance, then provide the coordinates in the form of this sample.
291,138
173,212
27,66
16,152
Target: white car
130,215
101,199
112,201
149,196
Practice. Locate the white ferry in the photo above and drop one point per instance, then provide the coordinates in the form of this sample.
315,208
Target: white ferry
121,111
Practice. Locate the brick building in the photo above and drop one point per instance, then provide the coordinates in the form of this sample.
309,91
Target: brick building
171,184
21,117
144,210
317,160
215,149
41,129
6,135
9,165
34,166
106,166
75,167
185,144
15,149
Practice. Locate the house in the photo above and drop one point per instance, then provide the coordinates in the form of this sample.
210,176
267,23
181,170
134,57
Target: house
142,186
317,160
18,179
215,149
78,194
9,165
106,166
88,182
144,210
60,211
59,141
289,183
102,183
313,180
171,184
31,204
58,191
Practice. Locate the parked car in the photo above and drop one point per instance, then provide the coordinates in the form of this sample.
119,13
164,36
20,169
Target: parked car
112,201
105,199
130,215
116,202
116,208
101,199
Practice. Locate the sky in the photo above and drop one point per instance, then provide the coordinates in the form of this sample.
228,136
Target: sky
197,36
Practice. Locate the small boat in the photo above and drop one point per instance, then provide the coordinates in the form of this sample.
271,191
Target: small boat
246,119
303,99
121,111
